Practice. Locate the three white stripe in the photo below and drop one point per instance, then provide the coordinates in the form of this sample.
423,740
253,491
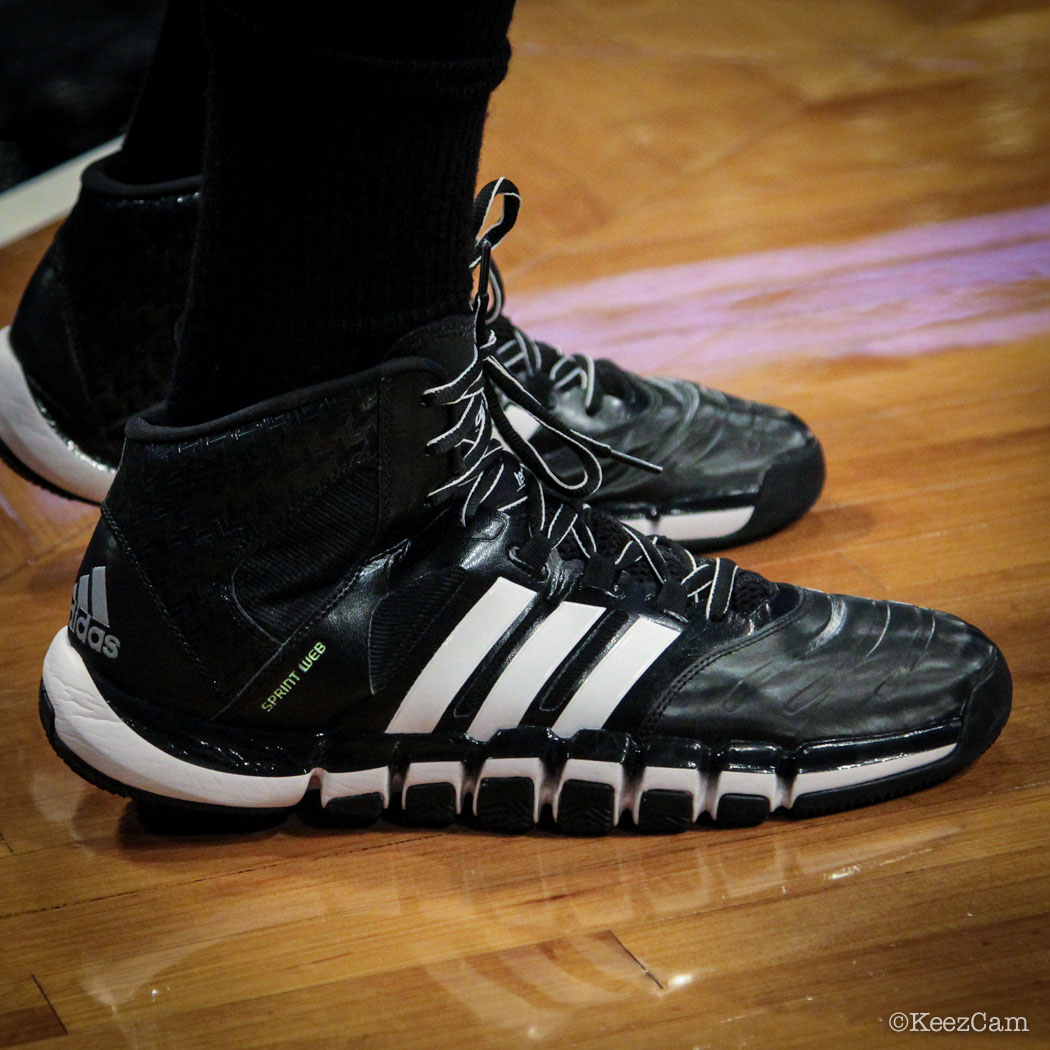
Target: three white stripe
631,656
458,655
531,666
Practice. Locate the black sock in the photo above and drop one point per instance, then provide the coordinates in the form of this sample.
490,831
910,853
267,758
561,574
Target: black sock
338,182
164,139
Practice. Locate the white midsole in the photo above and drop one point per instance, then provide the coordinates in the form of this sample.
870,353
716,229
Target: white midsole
30,436
93,731
694,525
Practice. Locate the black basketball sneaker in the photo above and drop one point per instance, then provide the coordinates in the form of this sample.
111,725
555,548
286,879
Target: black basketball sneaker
92,340
396,612
92,344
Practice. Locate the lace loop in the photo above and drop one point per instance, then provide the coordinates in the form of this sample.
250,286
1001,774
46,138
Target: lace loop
519,348
507,193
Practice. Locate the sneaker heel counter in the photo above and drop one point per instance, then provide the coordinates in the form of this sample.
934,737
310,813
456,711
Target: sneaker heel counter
43,343
120,629
38,332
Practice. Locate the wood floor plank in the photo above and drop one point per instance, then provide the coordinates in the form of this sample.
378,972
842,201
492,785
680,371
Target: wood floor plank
25,1014
476,898
594,993
842,208
836,171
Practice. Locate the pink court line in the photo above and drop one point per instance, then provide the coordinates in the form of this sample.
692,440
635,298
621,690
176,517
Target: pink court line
970,282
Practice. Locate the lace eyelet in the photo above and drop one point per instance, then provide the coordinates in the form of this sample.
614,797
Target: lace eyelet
542,577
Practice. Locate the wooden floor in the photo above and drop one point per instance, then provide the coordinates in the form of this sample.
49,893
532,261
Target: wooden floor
840,207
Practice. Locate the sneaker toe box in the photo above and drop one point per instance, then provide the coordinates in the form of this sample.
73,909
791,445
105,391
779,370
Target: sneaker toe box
735,452
844,670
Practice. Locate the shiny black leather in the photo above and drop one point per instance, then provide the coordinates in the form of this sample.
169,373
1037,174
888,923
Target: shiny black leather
713,448
834,668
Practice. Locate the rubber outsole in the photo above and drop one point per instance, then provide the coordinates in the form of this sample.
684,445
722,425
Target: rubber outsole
590,784
790,487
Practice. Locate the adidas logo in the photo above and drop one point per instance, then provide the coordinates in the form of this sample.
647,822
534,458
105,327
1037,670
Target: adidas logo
89,613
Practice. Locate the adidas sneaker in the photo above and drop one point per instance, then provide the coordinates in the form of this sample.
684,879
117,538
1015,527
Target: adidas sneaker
92,343
733,470
397,612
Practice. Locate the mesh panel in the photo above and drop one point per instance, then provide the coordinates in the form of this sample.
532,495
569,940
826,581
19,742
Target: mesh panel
750,591
608,534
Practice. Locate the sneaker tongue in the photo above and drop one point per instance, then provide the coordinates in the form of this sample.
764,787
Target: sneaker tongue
615,381
448,342
750,591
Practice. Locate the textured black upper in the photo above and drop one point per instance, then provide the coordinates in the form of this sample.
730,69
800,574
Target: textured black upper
831,668
234,548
